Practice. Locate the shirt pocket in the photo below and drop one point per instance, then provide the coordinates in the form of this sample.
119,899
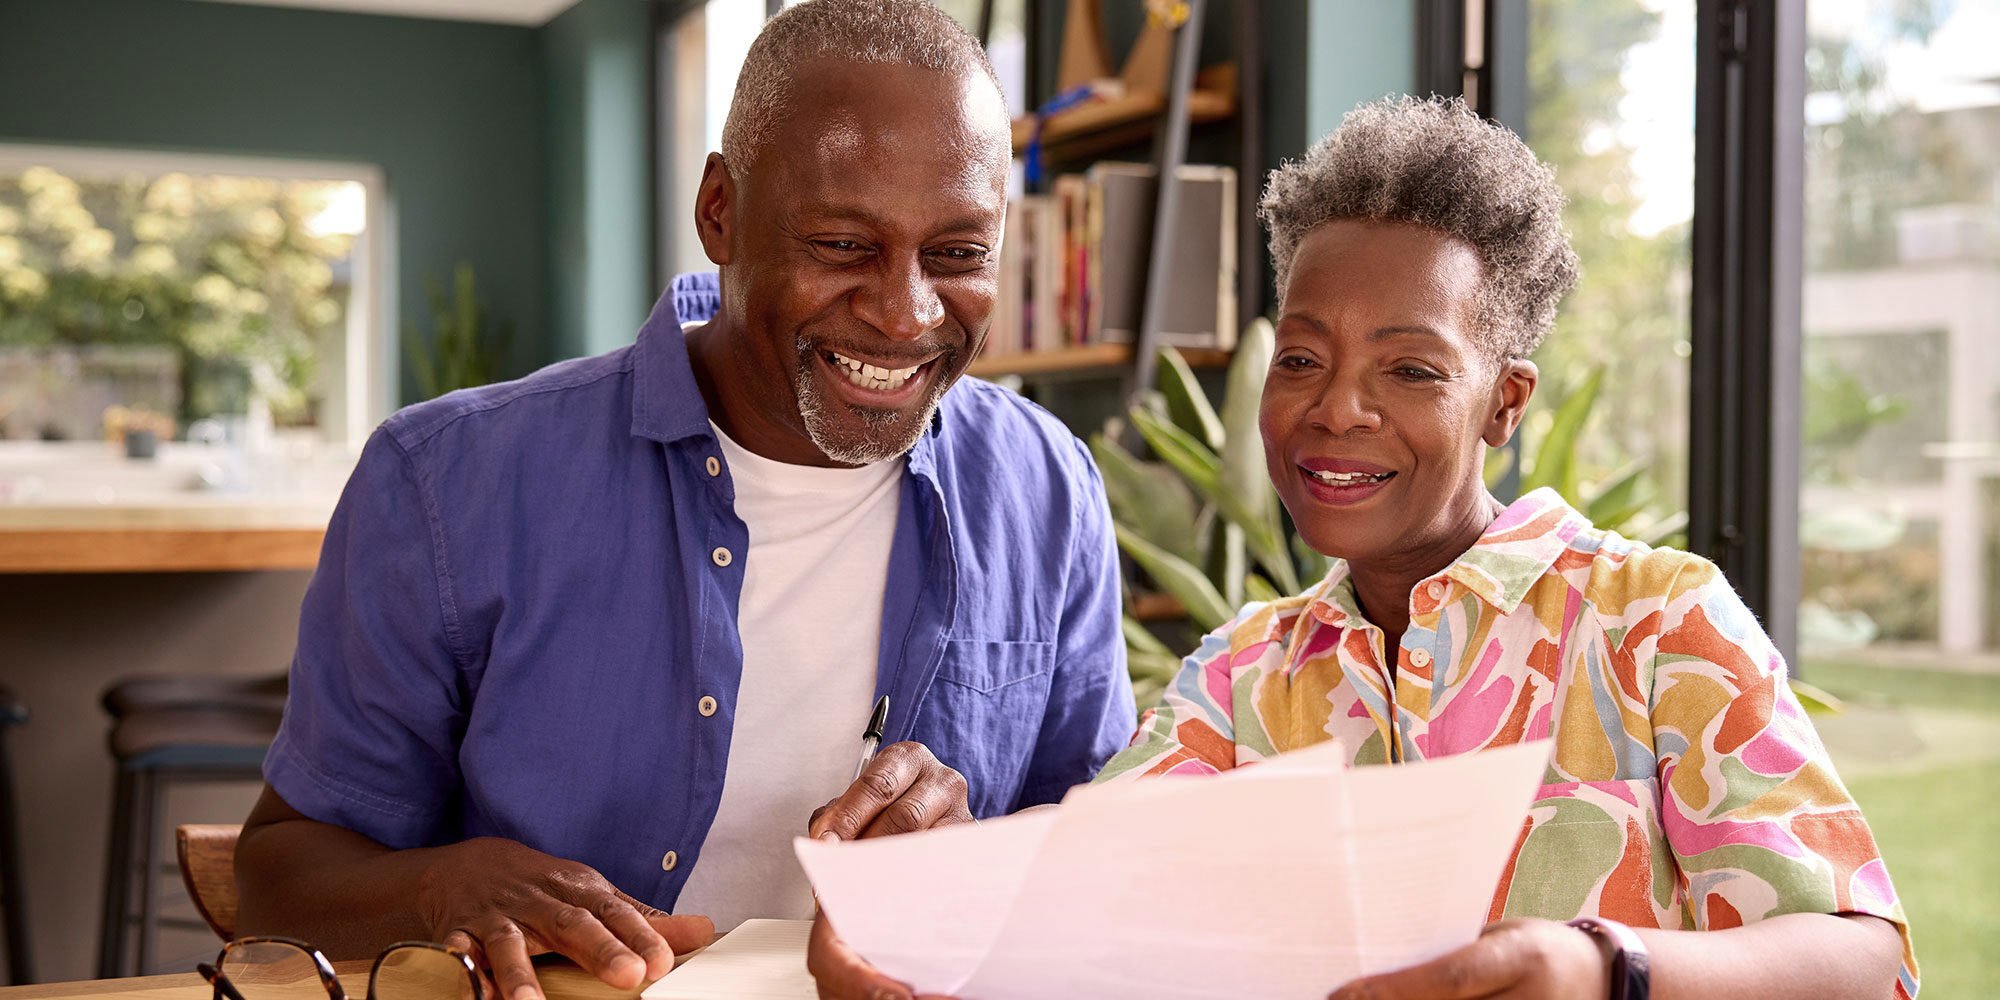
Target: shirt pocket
984,713
1593,848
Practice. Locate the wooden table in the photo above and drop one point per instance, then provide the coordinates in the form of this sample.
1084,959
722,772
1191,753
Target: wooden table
560,981
148,539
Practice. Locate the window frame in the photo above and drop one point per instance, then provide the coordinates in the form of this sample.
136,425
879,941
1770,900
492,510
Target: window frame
370,342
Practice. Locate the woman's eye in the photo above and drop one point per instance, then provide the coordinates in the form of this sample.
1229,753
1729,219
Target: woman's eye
1294,362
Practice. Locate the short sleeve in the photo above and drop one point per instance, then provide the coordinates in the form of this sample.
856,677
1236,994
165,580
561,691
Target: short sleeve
1090,709
1757,819
376,707
1191,730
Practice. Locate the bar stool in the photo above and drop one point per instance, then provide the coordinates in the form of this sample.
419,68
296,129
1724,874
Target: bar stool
169,731
13,897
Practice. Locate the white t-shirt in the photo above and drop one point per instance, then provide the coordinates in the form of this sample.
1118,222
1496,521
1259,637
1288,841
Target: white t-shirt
811,624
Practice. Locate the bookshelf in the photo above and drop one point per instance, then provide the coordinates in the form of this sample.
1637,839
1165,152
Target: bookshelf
1089,359
1160,92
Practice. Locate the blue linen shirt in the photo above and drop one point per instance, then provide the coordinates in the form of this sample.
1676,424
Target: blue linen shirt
524,608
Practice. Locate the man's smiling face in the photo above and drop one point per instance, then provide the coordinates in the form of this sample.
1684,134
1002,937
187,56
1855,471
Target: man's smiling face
862,252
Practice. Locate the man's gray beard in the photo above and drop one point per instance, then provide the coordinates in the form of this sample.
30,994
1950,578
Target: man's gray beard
875,444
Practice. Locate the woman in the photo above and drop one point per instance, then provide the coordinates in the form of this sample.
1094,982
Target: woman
1420,257
1691,811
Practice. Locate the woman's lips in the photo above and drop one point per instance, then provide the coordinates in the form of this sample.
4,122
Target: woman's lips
1343,483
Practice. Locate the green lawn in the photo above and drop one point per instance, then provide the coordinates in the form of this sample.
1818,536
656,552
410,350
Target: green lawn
1919,749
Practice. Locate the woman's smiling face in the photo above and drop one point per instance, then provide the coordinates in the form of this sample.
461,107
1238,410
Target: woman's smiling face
1382,394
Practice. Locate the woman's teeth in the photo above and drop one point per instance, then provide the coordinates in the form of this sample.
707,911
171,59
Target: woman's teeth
1351,478
868,376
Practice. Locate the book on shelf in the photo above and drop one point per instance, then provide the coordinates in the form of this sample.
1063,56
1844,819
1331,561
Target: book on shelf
1072,269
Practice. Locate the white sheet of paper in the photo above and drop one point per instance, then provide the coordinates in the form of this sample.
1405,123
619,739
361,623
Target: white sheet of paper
924,906
1281,880
759,960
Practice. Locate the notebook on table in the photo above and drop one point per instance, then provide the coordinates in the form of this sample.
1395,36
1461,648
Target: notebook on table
759,960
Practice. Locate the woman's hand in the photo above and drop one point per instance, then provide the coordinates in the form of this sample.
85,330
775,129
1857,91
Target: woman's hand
1512,958
844,975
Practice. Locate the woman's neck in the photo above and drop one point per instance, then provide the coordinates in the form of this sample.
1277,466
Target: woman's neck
1382,587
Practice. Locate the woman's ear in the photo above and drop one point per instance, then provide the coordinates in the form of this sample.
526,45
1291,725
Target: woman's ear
714,209
1511,392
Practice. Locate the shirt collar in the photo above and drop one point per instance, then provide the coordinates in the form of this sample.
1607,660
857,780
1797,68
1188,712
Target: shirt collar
667,404
1516,550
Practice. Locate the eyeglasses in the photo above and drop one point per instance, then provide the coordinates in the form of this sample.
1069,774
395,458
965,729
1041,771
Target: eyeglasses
280,968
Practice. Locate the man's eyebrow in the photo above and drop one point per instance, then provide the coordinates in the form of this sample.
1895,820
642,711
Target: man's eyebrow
969,222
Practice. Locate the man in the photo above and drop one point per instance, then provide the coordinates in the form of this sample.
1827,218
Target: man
590,646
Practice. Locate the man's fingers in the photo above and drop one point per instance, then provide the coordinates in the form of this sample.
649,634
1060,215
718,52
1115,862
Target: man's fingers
937,799
577,933
684,932
882,782
506,948
841,974
622,917
464,941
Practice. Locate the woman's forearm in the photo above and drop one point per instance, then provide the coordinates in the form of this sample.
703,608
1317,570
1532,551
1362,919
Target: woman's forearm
1807,956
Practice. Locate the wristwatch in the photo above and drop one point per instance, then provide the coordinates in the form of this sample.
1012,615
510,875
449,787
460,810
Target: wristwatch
1630,978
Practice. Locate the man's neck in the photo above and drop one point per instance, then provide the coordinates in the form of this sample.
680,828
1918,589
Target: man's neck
733,398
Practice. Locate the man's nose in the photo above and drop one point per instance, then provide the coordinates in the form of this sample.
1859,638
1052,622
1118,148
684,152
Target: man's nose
901,302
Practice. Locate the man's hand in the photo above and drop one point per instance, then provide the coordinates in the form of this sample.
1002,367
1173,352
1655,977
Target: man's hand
903,789
844,975
502,902
1512,958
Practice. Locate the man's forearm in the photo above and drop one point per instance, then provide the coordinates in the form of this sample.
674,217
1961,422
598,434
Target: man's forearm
1797,956
335,888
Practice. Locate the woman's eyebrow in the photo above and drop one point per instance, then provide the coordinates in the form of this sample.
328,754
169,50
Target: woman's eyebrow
1386,332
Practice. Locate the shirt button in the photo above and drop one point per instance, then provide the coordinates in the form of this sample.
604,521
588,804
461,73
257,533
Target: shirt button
1420,658
667,863
706,706
1436,590
714,466
721,556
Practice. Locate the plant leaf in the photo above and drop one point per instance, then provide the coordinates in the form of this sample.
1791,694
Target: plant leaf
1554,463
1816,699
1203,471
1619,500
1140,639
1187,405
1244,471
1148,498
1256,588
1175,576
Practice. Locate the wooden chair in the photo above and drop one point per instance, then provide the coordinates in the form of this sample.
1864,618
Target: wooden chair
208,867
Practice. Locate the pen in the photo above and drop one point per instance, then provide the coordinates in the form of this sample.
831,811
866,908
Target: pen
871,738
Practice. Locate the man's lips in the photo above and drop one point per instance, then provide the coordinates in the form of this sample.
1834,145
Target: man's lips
869,380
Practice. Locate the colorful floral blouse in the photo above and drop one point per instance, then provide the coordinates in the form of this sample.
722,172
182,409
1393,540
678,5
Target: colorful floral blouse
1688,790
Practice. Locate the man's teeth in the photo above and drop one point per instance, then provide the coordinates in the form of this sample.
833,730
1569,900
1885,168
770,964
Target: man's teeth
1351,478
868,376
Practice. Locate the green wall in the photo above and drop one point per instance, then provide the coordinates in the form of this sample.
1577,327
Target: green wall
451,111
1359,51
599,184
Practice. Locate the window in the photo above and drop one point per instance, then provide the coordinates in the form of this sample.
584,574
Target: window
192,288
1611,107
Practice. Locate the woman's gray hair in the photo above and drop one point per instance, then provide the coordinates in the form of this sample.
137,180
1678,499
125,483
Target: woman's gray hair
895,32
1434,163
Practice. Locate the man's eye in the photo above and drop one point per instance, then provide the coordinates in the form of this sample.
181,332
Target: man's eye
1415,374
963,255
839,246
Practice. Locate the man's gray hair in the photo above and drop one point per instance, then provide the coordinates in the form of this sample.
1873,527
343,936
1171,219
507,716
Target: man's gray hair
1434,163
895,32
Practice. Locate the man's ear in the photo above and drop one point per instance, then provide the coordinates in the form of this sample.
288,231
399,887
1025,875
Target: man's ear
714,209
1511,392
